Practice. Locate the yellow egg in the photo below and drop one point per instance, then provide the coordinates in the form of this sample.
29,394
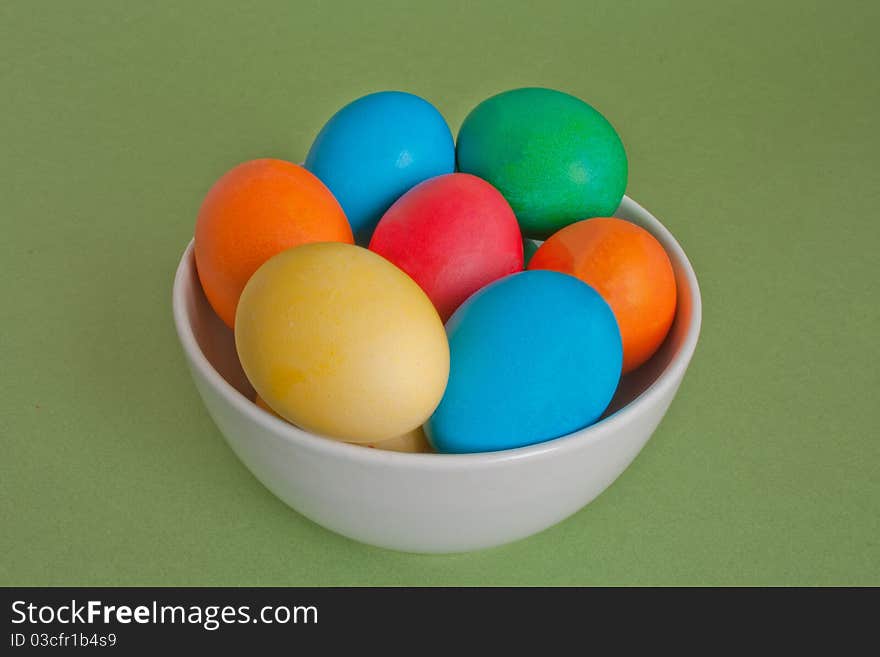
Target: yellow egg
340,342
412,441
259,401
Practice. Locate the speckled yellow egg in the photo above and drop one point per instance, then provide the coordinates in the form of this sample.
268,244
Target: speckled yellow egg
340,342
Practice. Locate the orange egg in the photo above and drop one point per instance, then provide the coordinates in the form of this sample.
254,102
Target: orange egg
253,212
627,266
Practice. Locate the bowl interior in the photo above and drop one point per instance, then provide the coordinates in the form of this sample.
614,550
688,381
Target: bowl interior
217,344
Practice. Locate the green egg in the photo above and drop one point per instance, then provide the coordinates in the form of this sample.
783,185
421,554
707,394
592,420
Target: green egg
555,158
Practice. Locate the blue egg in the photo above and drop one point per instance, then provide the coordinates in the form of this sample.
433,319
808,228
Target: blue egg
533,356
376,148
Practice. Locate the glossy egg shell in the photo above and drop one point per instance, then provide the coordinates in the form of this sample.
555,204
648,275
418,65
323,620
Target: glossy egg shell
629,268
377,147
255,210
554,157
452,234
534,356
340,342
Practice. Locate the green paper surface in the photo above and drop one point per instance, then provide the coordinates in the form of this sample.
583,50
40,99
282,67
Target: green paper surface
751,132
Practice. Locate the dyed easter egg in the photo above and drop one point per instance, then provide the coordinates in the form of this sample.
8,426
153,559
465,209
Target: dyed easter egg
555,158
340,342
411,441
255,210
374,149
533,356
629,268
452,234
261,403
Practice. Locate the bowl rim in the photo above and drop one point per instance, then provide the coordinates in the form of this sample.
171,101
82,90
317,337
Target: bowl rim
668,378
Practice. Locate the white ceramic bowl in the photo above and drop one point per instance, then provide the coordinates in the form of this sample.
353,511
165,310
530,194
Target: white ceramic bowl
436,502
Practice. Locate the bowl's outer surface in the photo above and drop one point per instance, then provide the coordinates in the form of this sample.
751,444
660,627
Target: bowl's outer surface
436,502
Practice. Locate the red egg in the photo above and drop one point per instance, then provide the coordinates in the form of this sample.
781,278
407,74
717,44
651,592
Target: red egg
452,234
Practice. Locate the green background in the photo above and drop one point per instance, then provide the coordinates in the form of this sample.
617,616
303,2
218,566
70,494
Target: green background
752,132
